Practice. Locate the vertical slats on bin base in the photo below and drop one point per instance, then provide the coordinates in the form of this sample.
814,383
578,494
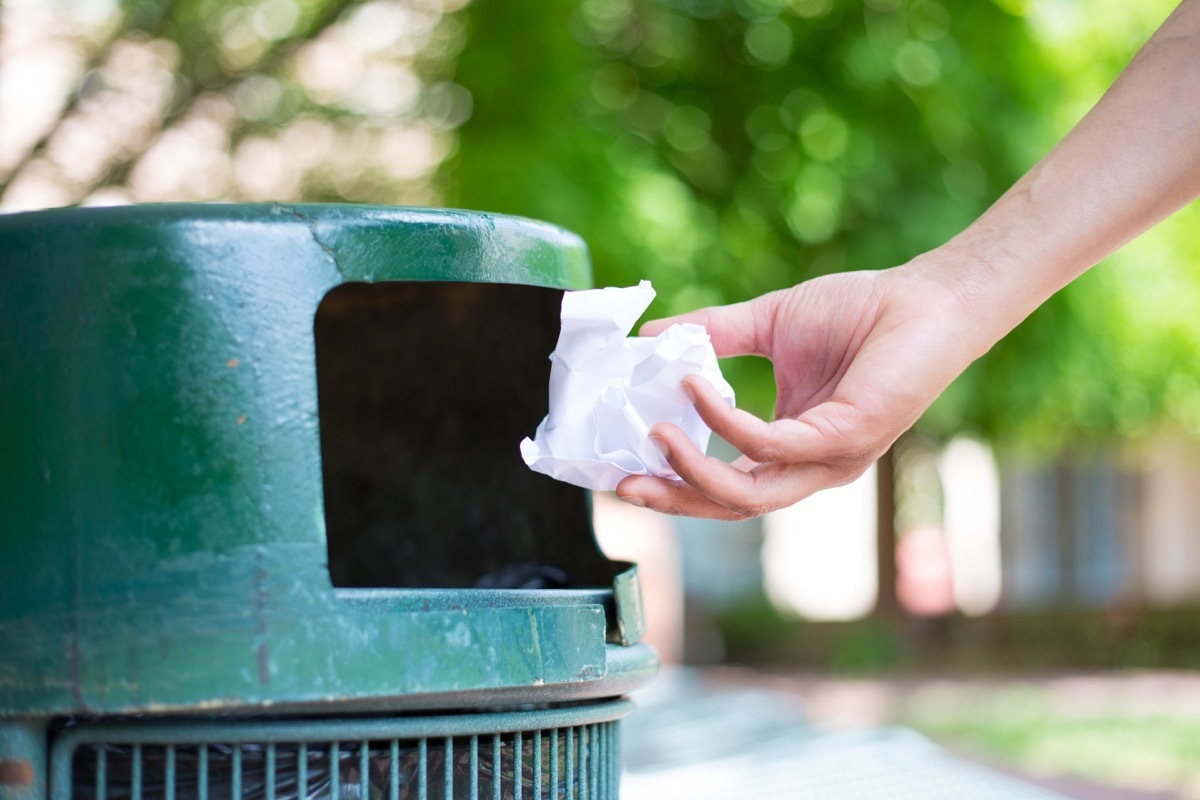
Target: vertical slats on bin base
570,764
169,772
101,773
270,772
594,771
518,766
583,765
136,779
601,764
422,770
335,781
496,767
364,770
611,771
537,765
554,764
202,773
393,770
235,778
474,768
601,767
302,771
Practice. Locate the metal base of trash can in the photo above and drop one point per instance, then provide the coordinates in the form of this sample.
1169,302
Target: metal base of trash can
560,752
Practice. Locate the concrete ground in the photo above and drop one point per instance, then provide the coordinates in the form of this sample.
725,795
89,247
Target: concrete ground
736,733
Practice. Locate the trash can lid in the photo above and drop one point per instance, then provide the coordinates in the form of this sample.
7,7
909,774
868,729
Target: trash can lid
363,242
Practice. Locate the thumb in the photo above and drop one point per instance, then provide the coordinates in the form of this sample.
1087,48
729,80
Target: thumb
733,328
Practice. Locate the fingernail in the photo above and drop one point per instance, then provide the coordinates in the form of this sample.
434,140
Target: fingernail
634,500
660,444
687,389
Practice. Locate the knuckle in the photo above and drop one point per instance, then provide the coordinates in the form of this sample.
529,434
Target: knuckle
764,444
731,515
672,507
857,457
749,510
844,476
854,462
849,469
761,451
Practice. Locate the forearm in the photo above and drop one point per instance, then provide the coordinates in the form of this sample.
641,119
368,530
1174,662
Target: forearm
1131,162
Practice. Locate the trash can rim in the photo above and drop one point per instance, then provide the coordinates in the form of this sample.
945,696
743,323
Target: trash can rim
420,244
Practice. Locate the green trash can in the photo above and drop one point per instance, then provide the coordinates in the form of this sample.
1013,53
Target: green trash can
266,531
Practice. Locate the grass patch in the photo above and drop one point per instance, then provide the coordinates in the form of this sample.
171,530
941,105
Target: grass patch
1021,728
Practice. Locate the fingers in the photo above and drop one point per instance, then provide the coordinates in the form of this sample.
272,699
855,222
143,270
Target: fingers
716,490
722,483
672,498
832,432
785,461
734,330
749,493
679,499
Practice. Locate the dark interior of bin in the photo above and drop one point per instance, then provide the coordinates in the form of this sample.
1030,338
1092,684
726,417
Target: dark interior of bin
425,391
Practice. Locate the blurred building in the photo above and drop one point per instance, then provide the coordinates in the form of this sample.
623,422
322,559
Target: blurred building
1114,528
1119,529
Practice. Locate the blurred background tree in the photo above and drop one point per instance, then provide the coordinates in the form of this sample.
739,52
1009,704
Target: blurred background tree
722,148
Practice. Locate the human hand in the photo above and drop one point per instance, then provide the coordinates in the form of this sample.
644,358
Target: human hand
857,356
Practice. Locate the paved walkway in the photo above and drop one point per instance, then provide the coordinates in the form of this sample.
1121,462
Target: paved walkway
733,733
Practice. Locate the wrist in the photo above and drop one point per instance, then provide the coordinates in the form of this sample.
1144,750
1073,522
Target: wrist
987,296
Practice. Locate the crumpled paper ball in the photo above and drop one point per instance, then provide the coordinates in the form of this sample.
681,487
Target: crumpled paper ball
608,390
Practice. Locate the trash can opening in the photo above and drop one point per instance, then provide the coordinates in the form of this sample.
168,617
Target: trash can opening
425,390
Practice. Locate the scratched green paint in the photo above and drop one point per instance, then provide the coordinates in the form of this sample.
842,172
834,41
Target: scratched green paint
162,544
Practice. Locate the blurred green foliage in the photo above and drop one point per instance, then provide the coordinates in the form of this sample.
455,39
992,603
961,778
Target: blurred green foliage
726,148
721,148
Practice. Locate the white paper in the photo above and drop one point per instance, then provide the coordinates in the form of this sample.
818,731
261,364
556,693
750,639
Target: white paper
607,391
